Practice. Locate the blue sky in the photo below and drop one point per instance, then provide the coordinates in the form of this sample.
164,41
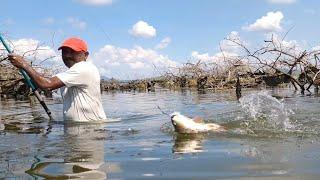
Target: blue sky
124,36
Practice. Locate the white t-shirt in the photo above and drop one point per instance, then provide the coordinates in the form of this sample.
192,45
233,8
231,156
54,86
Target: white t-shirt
81,95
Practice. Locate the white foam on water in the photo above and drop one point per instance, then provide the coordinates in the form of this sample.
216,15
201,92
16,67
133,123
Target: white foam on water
110,120
150,159
263,106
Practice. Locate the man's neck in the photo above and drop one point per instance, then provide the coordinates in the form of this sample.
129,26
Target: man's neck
75,62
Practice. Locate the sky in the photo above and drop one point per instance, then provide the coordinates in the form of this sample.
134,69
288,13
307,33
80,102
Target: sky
131,39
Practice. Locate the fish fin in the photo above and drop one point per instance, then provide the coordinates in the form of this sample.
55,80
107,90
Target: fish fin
197,119
216,127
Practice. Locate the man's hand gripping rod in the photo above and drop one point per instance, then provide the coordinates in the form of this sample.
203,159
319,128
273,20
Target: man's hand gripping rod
28,81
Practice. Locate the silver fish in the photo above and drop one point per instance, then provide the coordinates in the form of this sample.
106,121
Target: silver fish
183,124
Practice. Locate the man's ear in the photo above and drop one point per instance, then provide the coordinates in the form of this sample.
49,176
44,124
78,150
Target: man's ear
87,54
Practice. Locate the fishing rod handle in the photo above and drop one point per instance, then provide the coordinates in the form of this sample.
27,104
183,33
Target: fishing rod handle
24,74
5,44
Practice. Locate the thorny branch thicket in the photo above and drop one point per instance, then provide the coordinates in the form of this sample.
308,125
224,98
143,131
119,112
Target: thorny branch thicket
275,62
12,83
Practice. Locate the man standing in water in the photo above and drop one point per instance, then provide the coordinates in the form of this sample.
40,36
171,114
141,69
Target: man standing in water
79,85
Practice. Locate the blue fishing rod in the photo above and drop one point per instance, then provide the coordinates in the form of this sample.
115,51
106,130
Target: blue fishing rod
28,80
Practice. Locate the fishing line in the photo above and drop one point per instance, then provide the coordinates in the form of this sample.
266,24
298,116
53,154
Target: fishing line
100,28
163,111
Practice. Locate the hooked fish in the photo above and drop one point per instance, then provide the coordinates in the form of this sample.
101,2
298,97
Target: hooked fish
183,124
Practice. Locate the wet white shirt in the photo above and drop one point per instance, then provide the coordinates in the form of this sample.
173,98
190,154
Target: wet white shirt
81,95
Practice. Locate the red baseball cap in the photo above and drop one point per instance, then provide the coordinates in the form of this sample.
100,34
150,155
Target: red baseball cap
75,43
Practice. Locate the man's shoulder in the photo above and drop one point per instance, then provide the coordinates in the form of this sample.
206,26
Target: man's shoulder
85,65
80,70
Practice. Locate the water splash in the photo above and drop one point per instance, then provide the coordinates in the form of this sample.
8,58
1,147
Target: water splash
266,112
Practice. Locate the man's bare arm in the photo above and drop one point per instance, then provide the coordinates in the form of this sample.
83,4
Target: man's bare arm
42,82
39,80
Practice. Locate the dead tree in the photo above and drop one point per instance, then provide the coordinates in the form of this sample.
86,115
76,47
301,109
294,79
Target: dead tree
281,63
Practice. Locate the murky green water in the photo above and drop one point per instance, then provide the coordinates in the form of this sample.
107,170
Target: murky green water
268,138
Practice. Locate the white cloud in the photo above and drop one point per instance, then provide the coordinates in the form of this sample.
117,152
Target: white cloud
282,1
132,63
95,2
270,22
229,46
143,29
203,57
76,23
164,43
220,61
217,58
316,48
229,51
37,53
137,65
291,45
34,50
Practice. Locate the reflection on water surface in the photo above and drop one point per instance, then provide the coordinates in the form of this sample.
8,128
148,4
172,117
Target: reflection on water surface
144,145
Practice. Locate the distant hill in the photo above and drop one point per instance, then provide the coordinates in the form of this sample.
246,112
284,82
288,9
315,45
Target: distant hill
105,78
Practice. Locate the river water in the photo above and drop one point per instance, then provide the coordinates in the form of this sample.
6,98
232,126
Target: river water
272,134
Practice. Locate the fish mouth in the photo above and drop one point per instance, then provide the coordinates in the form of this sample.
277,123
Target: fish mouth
178,127
173,121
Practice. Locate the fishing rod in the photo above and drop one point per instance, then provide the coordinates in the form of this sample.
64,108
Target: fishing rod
28,80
